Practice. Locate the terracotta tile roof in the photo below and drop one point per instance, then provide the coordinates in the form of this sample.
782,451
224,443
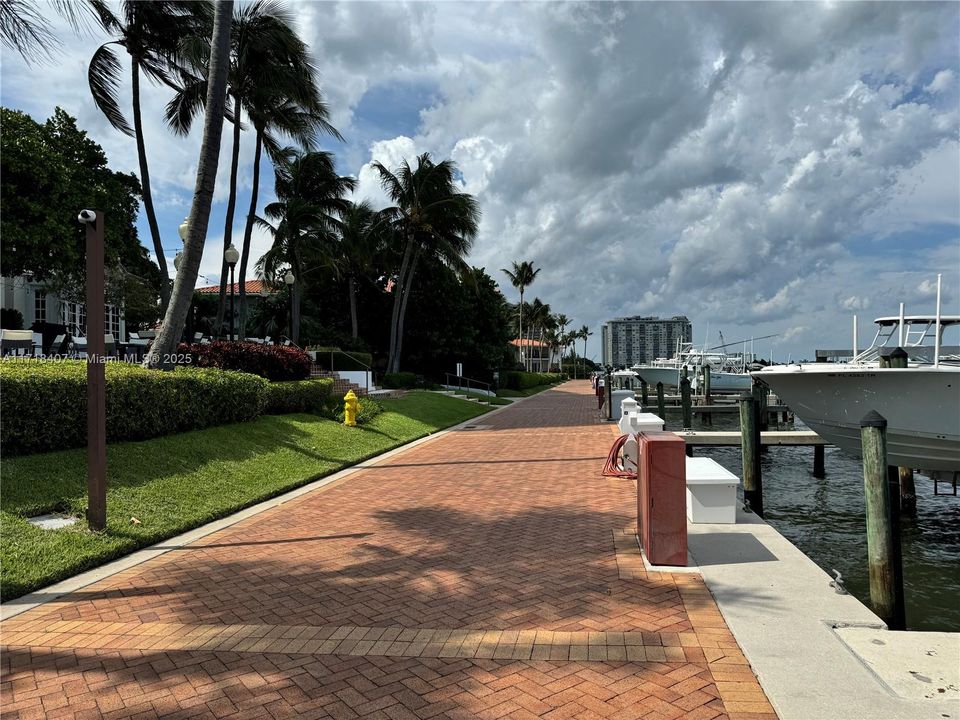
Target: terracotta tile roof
253,288
524,342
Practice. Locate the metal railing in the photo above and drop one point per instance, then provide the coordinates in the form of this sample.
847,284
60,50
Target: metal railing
488,387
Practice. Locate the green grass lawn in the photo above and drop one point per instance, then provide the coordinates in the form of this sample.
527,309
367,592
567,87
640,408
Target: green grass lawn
489,399
178,482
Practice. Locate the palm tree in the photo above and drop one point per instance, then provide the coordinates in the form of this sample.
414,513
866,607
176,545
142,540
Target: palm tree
521,277
177,308
360,237
271,78
310,201
431,219
153,34
24,29
583,334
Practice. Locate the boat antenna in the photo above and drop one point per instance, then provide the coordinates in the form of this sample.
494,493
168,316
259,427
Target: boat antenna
936,345
855,353
900,336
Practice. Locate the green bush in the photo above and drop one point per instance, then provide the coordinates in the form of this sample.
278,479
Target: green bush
404,380
519,380
367,410
295,396
43,405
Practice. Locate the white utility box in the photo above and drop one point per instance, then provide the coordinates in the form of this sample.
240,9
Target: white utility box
630,424
711,492
617,397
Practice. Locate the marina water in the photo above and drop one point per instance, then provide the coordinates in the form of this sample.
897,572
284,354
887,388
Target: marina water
826,520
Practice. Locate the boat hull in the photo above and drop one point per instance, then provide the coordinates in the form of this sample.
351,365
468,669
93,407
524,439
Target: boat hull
730,382
652,375
921,406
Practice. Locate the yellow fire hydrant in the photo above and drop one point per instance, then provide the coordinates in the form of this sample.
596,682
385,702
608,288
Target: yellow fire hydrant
350,406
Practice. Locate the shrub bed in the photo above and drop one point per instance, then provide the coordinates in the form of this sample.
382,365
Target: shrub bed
43,406
273,362
400,380
367,410
294,396
519,380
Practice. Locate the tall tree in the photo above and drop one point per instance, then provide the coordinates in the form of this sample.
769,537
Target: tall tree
521,277
431,218
199,218
272,79
583,334
360,236
305,220
152,33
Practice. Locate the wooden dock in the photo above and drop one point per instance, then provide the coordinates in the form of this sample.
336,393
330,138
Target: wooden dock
733,439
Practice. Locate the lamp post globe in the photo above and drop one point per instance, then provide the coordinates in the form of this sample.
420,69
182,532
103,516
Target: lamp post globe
289,278
184,229
231,254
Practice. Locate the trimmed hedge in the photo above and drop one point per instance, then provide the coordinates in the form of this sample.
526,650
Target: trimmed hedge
400,380
273,362
519,380
43,405
295,396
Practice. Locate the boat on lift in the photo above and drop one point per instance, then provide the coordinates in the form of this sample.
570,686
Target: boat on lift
727,372
920,402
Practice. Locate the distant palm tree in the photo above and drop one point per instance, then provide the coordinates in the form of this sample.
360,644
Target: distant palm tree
153,34
179,305
521,277
431,218
305,221
583,334
360,236
271,78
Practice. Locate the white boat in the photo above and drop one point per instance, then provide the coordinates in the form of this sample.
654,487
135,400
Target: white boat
726,371
921,402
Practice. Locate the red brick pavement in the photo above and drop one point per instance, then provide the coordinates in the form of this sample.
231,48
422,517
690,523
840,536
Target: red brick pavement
494,543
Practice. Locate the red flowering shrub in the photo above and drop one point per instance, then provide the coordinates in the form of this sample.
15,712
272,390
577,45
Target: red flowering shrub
273,362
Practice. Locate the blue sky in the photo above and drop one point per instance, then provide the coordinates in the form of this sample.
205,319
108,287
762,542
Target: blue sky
762,168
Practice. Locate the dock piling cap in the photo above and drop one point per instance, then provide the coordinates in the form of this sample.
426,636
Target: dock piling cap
873,419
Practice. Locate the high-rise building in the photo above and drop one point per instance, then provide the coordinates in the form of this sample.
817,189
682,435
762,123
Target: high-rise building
637,340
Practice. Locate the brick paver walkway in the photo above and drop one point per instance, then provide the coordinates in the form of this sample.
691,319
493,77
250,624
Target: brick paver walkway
488,573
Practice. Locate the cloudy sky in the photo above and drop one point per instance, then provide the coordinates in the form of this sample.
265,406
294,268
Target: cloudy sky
761,168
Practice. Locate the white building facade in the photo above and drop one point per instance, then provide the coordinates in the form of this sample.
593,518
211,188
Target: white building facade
637,340
37,305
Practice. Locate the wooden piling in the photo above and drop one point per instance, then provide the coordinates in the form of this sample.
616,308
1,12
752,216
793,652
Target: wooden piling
644,393
661,403
750,447
707,399
908,492
819,466
880,541
686,403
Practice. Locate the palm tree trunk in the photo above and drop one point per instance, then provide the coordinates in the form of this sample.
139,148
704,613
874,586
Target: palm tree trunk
520,327
353,307
176,314
231,208
398,290
295,298
248,233
403,307
145,186
584,357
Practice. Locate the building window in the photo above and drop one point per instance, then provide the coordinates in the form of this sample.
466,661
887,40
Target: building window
39,306
111,320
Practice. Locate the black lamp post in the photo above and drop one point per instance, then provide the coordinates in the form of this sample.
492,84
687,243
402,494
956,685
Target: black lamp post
290,279
231,255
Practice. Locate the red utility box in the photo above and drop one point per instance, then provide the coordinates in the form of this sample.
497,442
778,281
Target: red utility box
662,498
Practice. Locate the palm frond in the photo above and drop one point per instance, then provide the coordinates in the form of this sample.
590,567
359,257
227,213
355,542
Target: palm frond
103,76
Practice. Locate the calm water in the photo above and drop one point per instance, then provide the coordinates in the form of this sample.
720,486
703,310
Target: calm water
826,520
